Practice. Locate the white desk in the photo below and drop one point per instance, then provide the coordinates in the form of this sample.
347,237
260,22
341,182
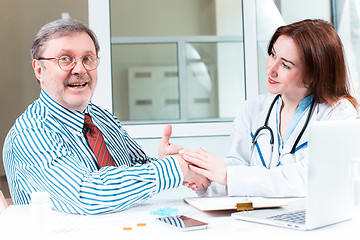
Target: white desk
14,224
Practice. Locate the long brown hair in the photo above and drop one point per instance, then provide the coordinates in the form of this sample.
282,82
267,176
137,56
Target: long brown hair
325,71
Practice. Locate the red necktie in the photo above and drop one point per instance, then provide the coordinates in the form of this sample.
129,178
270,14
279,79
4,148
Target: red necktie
97,143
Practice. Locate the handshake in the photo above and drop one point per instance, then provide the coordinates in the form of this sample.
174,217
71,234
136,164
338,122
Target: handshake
199,167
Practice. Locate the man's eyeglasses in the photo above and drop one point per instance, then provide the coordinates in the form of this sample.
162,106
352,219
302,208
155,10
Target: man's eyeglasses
67,63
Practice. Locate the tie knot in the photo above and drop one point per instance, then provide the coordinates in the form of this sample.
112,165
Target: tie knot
88,123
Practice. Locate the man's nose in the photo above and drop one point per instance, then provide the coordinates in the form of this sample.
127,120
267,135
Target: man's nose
79,67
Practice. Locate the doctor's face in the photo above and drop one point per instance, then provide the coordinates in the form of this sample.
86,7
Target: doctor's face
71,88
284,69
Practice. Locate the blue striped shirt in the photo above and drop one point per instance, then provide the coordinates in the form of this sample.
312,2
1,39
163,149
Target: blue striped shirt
46,150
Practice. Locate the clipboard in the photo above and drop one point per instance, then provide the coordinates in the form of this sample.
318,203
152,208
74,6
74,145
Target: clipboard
234,203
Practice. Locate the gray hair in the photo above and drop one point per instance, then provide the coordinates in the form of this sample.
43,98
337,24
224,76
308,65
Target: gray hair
56,29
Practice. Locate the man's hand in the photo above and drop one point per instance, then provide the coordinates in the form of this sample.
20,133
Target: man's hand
165,147
191,179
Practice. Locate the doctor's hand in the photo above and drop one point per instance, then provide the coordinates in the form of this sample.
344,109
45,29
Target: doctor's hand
192,180
165,147
207,164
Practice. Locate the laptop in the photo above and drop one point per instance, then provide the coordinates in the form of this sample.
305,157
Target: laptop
333,147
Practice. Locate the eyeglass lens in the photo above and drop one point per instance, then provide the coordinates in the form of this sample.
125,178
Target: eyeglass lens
67,62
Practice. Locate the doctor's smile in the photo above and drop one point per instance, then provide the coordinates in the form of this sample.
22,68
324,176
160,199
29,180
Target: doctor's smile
271,81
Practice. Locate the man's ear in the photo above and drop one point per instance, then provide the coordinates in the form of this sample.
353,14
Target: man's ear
38,69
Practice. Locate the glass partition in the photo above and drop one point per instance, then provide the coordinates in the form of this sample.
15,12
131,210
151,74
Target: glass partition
179,60
145,81
214,79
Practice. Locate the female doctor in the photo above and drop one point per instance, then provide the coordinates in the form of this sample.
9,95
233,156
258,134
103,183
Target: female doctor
307,81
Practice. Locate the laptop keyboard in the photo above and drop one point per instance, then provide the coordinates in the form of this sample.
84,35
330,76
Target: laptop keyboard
294,217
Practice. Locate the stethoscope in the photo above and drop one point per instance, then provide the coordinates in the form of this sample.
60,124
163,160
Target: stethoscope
287,157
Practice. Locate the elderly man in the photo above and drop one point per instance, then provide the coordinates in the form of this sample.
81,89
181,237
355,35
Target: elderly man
73,149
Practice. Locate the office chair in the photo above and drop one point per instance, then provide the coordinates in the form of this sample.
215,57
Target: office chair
4,203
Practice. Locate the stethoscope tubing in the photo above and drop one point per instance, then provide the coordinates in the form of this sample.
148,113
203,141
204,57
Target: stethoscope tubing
266,127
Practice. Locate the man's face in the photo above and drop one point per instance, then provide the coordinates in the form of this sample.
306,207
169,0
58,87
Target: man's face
72,89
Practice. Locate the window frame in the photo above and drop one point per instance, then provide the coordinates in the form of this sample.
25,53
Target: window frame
99,22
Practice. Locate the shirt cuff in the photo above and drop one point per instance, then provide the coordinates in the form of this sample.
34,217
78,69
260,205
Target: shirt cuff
168,173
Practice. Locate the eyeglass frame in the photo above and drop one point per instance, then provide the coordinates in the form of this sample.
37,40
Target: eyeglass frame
97,60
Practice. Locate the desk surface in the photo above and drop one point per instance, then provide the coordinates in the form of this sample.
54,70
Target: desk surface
14,223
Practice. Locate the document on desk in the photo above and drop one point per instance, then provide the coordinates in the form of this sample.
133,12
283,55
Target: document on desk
234,203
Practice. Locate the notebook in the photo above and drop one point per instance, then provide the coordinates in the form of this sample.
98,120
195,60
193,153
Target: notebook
333,146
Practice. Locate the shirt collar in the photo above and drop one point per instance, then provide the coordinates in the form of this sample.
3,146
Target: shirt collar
305,103
72,119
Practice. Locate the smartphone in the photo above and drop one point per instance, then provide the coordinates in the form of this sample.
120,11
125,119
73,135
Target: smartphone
183,223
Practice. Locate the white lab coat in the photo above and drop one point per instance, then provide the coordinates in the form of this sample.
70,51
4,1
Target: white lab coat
281,181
